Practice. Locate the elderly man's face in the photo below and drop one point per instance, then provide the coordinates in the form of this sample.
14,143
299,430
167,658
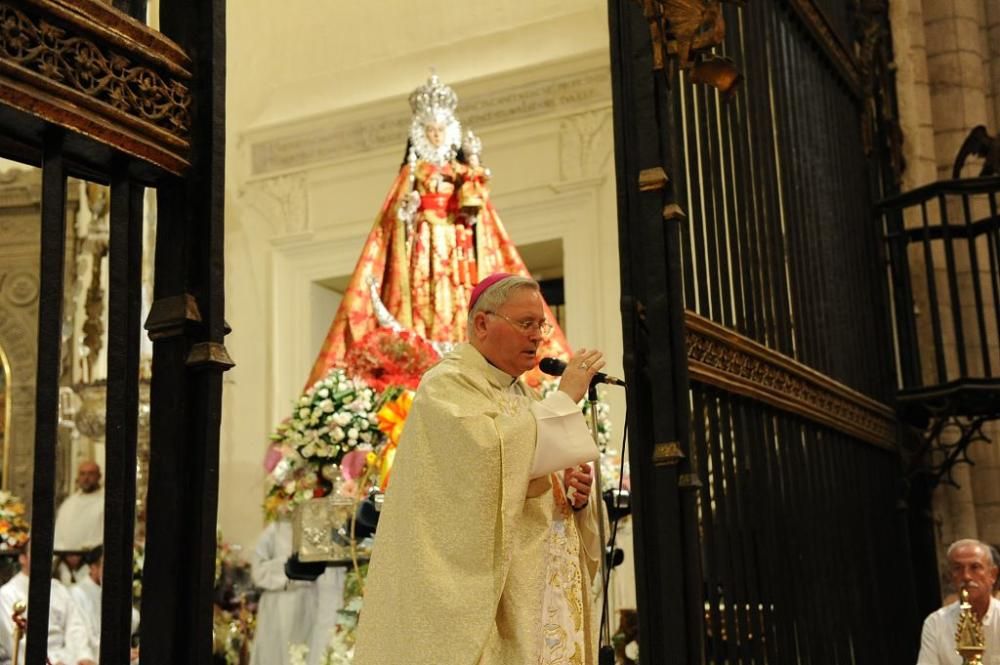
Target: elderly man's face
88,477
501,339
973,569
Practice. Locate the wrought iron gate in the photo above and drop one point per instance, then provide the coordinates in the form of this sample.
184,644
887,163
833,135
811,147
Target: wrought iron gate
768,521
88,90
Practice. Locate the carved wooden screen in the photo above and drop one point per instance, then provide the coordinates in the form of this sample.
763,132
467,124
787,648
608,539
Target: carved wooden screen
88,90
766,500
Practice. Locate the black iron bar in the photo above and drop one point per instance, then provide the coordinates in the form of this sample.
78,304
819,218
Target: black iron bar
977,292
697,225
752,484
124,303
707,515
732,446
724,579
682,191
765,177
898,274
715,204
993,243
932,299
809,333
742,177
50,303
956,301
665,525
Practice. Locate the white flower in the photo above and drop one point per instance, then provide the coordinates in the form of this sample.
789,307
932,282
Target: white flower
363,424
304,413
632,651
309,450
352,433
297,654
366,436
323,393
327,406
342,418
337,434
304,400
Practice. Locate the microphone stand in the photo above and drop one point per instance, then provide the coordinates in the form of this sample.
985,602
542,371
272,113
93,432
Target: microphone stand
606,653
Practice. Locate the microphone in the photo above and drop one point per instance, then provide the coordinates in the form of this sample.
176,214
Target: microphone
556,367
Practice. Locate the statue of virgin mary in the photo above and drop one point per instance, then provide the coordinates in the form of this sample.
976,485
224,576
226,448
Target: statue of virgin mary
436,235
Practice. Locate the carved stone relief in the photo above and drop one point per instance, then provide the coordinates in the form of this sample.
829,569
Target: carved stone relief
585,144
281,202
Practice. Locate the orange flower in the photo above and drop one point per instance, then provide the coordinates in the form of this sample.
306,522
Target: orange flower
392,416
391,419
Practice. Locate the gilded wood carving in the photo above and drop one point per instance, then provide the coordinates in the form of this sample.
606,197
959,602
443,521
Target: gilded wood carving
721,357
91,68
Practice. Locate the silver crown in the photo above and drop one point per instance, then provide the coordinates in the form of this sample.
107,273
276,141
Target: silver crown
472,144
432,98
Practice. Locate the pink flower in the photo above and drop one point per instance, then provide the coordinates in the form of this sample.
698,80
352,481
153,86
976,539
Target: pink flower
353,464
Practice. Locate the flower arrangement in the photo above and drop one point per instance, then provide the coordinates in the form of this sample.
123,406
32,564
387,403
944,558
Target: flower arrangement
335,416
14,528
385,358
290,480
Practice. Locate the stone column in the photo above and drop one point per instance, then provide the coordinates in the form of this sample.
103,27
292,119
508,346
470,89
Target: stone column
955,67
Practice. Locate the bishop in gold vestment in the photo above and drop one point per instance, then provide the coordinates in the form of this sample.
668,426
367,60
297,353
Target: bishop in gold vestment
476,562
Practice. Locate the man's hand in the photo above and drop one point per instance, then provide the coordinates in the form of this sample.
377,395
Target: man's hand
86,661
580,369
578,481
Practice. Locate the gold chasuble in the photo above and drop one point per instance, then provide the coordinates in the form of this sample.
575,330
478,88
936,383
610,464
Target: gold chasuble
475,564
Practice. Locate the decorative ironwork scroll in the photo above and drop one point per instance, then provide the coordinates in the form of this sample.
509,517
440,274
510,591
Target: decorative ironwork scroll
687,31
721,357
89,67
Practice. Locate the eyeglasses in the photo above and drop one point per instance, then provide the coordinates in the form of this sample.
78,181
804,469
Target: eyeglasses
544,327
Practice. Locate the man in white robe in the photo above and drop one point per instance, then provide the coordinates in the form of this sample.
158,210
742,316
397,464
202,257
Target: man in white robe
290,611
971,566
87,595
482,555
80,522
68,642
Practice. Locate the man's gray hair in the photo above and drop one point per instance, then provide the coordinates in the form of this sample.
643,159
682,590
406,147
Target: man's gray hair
984,549
496,295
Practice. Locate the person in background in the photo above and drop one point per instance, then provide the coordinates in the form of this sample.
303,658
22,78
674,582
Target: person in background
87,595
69,640
287,608
971,567
80,523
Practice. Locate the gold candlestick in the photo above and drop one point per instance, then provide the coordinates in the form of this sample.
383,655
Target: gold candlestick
19,626
970,642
